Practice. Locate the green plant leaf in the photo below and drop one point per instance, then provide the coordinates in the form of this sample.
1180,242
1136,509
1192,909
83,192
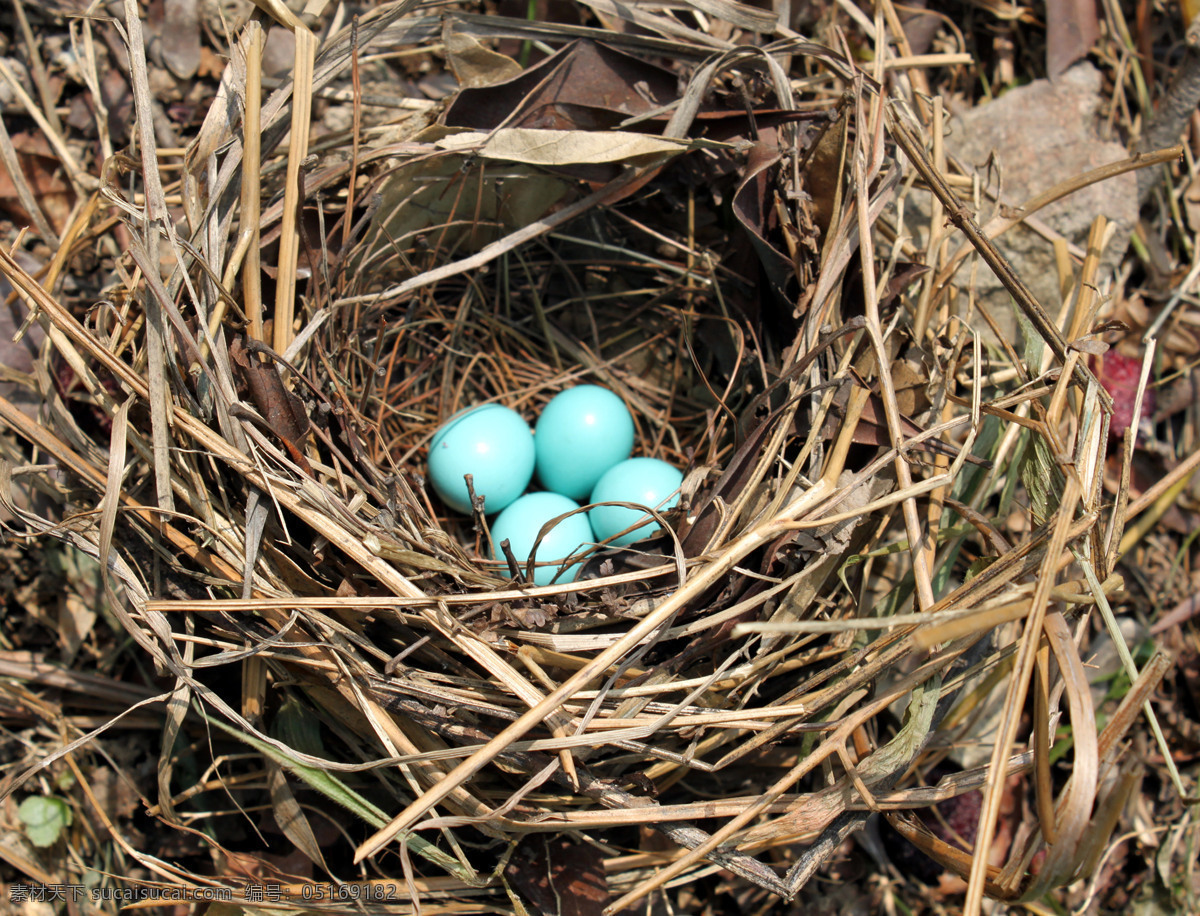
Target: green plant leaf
1043,479
298,727
44,817
336,790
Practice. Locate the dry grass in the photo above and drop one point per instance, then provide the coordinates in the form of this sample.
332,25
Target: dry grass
844,595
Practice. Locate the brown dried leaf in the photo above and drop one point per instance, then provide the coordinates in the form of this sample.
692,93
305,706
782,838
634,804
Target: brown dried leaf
872,428
823,177
474,65
1191,203
45,178
114,794
75,622
291,818
564,147
460,209
585,86
754,207
556,875
180,37
1091,347
282,410
1072,27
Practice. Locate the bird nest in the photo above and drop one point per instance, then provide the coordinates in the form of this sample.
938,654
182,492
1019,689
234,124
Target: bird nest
888,520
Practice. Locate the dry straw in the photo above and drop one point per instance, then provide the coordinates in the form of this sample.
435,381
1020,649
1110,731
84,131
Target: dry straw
844,593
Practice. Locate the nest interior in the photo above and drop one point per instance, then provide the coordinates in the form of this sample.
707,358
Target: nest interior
239,433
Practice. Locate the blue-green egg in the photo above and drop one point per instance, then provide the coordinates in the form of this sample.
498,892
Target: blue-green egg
582,433
491,443
642,481
520,523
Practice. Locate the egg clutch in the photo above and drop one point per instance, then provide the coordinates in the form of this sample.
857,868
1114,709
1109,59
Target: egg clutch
580,451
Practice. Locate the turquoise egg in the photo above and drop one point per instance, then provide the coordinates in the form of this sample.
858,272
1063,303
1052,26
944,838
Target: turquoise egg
582,433
520,523
491,443
643,481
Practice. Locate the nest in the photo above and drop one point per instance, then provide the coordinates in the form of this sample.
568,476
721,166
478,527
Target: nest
888,519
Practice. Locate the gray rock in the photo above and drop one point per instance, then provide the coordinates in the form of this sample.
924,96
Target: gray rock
1042,134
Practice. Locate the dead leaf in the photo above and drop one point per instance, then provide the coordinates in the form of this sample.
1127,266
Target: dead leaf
46,180
282,410
586,85
872,428
291,818
75,622
1191,203
909,381
1072,27
434,204
440,203
179,34
115,795
1090,347
920,27
826,166
556,875
833,540
564,147
742,15
754,207
1176,395
474,65
902,277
